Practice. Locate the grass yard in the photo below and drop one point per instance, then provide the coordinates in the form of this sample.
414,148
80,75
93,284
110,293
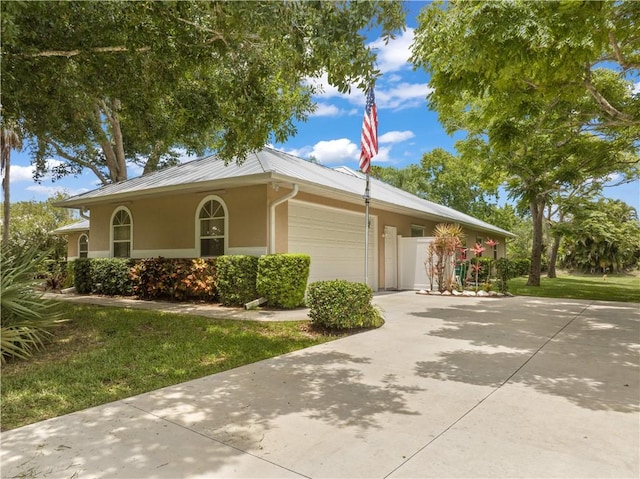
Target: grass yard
104,354
615,288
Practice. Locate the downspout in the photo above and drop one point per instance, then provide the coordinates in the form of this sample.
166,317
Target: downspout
272,217
83,214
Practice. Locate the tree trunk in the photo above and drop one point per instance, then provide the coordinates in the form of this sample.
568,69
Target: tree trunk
537,215
154,158
553,257
6,207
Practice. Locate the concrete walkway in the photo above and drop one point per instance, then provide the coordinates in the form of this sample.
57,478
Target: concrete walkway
209,310
448,387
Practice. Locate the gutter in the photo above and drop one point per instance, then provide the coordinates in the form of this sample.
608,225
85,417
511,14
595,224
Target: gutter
272,216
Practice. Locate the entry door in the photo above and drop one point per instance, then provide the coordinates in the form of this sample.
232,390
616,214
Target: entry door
390,257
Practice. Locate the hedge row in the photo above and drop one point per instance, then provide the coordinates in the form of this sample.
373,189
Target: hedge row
233,280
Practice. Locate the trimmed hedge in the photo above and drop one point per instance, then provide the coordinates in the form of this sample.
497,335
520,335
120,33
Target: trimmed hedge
282,279
175,278
82,277
340,304
237,276
112,276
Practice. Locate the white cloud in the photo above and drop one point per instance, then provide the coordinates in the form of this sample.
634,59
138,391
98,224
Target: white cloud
335,151
395,136
53,190
394,55
636,88
25,173
21,173
324,109
403,95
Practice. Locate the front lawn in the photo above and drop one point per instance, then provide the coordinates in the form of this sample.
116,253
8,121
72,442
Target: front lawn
104,354
614,288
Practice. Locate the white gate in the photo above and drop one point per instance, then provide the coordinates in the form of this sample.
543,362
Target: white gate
412,253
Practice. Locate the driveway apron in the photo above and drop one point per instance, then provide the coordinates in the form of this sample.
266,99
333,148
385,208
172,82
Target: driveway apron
448,387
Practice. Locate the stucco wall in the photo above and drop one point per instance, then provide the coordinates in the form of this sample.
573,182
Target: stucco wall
166,226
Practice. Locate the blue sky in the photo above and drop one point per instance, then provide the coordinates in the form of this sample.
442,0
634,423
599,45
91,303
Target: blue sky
407,128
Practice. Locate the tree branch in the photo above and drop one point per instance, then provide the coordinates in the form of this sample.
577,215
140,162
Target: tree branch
602,101
73,53
74,159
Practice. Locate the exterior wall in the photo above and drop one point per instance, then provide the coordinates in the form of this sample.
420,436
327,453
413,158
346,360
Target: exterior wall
72,244
166,226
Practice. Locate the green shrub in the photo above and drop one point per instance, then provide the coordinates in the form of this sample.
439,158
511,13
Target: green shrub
236,276
175,278
505,269
27,318
82,278
69,280
282,279
340,304
112,276
522,266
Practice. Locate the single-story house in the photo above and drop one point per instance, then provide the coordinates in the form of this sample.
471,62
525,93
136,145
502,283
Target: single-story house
273,202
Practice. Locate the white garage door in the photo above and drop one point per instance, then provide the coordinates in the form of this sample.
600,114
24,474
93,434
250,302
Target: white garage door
334,239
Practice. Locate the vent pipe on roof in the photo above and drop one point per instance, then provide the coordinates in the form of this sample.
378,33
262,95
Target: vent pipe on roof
272,216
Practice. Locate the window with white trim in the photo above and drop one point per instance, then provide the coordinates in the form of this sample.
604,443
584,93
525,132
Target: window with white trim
212,219
121,227
83,246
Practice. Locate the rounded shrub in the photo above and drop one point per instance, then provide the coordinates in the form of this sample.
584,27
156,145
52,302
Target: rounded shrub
236,279
282,279
340,304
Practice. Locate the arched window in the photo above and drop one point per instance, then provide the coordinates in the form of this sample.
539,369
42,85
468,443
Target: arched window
211,227
121,233
83,246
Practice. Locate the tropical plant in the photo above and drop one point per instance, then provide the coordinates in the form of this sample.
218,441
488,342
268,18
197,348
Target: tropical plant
477,249
447,241
27,318
9,140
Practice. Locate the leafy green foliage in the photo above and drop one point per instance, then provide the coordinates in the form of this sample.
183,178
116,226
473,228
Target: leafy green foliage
115,90
82,276
27,318
282,279
175,279
603,236
112,276
32,223
340,304
533,85
237,276
505,270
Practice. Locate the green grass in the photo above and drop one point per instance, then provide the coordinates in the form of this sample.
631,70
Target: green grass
104,354
615,288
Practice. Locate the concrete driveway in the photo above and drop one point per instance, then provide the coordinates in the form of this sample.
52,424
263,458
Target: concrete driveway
449,387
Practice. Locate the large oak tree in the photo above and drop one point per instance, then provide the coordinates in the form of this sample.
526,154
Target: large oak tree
102,85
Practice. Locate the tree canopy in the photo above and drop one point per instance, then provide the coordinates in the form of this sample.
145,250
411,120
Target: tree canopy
541,88
105,84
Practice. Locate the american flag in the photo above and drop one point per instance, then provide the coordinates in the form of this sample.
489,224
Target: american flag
369,136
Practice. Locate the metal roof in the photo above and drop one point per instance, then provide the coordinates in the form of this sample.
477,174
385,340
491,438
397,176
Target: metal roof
269,165
82,225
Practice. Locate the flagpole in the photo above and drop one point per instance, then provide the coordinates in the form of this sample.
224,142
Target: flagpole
367,196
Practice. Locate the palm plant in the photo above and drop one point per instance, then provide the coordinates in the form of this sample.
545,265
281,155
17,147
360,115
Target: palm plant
447,241
27,317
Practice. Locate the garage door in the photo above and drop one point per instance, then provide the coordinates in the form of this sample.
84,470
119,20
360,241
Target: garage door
334,239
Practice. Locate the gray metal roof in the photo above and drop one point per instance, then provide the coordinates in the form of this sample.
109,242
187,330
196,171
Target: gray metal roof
269,165
82,225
